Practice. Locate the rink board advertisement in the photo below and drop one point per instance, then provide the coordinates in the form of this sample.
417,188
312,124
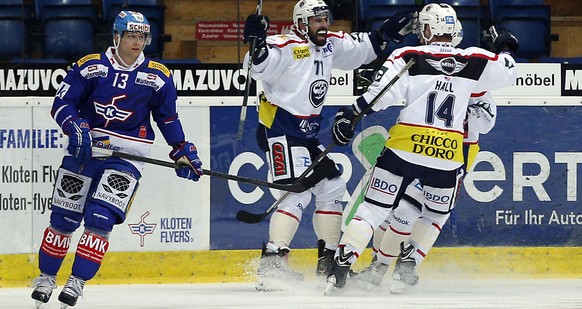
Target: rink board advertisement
168,217
523,192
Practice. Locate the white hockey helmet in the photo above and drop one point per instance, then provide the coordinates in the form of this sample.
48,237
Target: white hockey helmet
457,34
440,19
308,8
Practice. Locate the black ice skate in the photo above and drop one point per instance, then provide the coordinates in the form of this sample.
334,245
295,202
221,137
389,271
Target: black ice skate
273,270
71,292
340,269
43,288
324,259
405,274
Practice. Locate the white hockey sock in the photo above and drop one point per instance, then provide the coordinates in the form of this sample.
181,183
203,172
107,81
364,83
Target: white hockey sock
282,229
327,226
423,236
357,237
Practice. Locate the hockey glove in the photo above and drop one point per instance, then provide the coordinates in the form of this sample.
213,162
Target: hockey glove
342,131
503,40
255,27
186,155
481,117
396,27
79,134
365,78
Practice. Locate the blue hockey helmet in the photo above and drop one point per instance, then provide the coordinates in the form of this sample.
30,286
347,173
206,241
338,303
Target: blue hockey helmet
133,22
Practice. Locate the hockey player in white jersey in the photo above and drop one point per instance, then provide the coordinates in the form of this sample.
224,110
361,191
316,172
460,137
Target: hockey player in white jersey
295,70
106,100
426,142
398,227
414,225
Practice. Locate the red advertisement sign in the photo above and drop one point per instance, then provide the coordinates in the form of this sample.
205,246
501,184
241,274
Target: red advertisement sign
233,31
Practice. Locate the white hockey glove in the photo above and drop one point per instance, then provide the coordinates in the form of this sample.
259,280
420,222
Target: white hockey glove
481,117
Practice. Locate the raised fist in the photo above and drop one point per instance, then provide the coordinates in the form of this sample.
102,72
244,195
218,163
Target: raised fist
503,40
256,26
396,27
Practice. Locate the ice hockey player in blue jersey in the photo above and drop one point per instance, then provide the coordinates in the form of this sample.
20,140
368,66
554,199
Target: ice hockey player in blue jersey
106,100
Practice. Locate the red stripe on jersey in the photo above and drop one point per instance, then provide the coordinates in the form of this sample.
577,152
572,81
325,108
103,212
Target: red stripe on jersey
289,42
476,95
429,127
418,52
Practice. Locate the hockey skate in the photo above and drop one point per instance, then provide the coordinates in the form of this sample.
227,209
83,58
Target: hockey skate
371,277
405,274
339,272
43,288
273,271
324,259
71,292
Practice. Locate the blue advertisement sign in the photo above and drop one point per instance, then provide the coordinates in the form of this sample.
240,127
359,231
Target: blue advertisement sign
523,191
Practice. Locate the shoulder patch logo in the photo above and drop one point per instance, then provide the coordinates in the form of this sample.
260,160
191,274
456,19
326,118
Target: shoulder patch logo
82,61
447,65
301,52
160,67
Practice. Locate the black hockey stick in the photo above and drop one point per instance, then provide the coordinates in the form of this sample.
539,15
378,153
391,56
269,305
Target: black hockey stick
243,109
248,217
294,187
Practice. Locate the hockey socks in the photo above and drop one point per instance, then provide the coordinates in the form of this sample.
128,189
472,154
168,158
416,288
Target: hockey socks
53,250
90,252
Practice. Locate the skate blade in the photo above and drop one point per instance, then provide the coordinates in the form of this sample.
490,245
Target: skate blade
64,306
398,287
38,304
330,289
268,287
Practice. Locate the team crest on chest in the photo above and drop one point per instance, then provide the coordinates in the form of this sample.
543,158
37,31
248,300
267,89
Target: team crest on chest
317,92
110,111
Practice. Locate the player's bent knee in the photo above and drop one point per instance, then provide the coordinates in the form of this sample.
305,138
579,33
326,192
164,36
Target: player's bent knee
65,222
436,218
374,215
100,218
116,188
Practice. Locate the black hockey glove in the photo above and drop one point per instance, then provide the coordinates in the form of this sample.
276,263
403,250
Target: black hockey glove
396,27
342,131
365,78
255,27
503,40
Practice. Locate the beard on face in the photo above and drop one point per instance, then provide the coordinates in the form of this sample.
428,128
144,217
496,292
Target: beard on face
318,40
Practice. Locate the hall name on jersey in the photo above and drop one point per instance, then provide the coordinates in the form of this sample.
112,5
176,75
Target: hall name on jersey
443,86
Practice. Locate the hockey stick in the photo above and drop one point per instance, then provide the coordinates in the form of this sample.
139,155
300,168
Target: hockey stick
248,217
243,109
295,187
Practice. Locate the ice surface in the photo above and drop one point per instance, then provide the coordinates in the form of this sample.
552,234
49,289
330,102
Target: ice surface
493,293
